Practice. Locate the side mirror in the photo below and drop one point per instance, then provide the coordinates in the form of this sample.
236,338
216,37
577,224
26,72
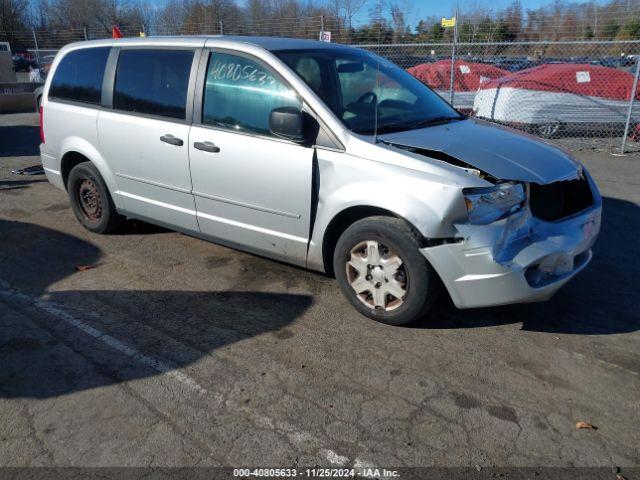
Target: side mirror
289,123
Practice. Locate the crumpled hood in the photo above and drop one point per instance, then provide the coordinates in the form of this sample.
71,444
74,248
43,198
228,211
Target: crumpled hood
500,152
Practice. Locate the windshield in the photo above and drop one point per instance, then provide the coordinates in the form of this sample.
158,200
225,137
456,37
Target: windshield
362,89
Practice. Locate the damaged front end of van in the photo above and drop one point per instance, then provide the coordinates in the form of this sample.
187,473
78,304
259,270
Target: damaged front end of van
527,232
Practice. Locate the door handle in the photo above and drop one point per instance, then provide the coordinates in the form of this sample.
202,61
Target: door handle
171,140
206,147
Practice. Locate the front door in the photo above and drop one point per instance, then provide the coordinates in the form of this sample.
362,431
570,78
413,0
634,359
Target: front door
251,189
144,138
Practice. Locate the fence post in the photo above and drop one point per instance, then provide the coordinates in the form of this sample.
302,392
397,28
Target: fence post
630,111
221,28
35,42
86,37
453,56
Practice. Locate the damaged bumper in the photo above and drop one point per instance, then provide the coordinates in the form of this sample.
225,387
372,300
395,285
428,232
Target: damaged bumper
518,259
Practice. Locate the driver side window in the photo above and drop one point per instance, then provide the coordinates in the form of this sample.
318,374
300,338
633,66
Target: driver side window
240,93
367,84
355,84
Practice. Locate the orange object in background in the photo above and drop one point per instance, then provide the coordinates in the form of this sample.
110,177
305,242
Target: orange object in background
116,33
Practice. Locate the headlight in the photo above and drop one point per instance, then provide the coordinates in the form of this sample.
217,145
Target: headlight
486,205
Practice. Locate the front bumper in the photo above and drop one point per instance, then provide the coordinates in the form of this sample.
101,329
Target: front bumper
518,259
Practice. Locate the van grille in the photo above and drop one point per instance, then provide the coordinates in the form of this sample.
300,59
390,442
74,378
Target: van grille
558,200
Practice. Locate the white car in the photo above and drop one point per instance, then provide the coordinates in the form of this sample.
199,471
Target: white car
553,99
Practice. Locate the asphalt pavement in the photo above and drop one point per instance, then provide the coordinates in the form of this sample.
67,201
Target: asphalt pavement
149,347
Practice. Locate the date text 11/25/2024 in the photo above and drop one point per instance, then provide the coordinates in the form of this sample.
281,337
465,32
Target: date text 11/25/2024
365,472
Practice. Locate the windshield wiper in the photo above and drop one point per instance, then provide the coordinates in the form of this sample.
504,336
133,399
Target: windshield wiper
393,127
430,122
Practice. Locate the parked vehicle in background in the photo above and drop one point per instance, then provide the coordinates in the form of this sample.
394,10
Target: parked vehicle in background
514,64
24,54
468,77
628,62
22,64
553,99
320,155
45,63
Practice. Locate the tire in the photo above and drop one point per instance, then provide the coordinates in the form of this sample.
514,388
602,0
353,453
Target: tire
415,276
90,199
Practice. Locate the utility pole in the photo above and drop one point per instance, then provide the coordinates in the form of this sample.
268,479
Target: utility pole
453,56
632,101
35,41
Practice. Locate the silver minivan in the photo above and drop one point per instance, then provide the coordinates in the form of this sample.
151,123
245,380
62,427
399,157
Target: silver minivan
320,155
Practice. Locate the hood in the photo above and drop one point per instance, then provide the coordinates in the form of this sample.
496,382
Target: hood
495,150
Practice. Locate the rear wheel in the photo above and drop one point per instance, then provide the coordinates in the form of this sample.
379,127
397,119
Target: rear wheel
90,199
383,274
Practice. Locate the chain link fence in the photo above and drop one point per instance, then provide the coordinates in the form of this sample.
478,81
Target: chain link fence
581,95
577,94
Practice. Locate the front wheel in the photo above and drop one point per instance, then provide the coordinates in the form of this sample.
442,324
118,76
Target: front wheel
383,274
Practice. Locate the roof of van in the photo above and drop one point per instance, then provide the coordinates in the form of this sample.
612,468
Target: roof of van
268,43
279,43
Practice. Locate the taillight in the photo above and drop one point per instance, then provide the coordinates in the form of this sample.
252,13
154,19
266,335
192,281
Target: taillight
41,125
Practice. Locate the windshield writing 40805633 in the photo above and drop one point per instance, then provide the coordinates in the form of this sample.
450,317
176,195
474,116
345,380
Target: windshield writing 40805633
238,72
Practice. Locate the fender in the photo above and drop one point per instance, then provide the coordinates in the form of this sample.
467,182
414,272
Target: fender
430,207
82,146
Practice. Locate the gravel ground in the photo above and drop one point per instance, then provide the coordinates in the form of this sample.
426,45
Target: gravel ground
173,351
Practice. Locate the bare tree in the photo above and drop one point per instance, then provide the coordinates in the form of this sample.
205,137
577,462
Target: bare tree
351,8
170,18
13,14
148,15
397,23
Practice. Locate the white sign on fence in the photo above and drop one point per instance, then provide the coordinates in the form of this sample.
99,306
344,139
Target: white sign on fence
583,77
325,36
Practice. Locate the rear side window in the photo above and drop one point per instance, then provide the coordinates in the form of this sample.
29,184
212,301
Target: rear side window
153,81
78,76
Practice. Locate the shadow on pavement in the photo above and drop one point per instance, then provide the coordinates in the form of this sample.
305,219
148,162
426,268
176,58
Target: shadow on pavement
600,300
138,227
47,355
44,355
19,141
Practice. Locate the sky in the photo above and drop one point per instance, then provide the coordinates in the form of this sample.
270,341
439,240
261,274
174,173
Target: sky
419,9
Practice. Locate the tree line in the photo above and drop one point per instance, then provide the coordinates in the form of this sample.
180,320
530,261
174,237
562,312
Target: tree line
352,21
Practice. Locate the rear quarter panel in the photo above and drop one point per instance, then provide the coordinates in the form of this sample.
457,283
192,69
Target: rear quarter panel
73,128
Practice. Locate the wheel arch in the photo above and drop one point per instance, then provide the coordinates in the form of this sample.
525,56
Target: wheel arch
81,151
68,161
347,217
